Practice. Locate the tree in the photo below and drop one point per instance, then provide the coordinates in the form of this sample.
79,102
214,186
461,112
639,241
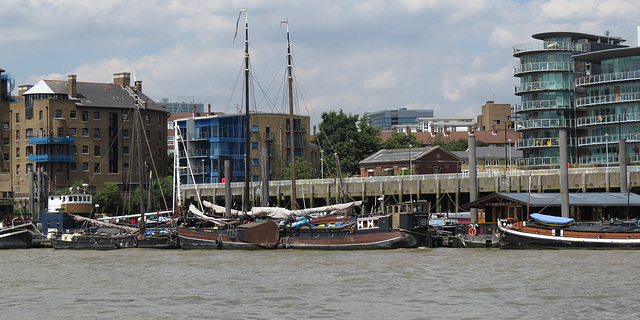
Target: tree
162,193
109,199
349,137
304,170
400,140
75,188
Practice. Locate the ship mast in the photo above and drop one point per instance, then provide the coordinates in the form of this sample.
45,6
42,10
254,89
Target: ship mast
291,126
247,123
138,134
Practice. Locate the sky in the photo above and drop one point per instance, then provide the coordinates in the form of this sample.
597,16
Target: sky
358,56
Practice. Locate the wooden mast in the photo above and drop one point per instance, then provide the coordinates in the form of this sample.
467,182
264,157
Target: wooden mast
141,159
247,123
291,126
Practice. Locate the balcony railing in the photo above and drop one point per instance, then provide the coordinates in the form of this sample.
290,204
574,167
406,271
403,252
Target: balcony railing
51,158
51,140
608,77
543,85
543,66
549,46
544,105
611,158
608,119
537,142
544,123
540,161
608,99
608,139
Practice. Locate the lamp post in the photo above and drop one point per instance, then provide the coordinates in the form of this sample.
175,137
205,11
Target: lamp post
606,147
321,164
509,153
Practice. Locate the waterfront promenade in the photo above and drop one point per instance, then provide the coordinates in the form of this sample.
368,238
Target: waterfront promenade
445,191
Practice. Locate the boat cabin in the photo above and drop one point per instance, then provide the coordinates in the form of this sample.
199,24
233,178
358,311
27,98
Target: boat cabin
55,218
407,215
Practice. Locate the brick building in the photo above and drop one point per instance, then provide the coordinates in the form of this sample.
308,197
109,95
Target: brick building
82,131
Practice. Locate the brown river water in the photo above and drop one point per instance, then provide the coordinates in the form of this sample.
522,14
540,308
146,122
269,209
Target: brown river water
440,283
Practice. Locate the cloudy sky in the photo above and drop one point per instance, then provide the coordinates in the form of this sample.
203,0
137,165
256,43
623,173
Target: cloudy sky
358,56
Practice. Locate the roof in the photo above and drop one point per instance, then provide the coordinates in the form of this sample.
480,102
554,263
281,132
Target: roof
601,55
490,153
576,35
597,199
403,155
91,94
490,137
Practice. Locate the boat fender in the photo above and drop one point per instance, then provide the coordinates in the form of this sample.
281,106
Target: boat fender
472,231
135,242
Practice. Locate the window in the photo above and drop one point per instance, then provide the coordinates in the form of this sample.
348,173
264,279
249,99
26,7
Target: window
254,128
73,166
125,116
17,152
125,133
146,119
17,135
125,167
96,151
96,115
29,151
5,125
60,132
17,117
85,149
72,114
17,169
85,166
159,121
85,116
29,167
85,132
58,113
29,133
72,132
487,163
40,115
254,145
256,162
125,150
5,141
496,163
72,149
96,134
96,168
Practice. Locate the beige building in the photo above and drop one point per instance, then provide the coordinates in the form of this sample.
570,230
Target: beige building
83,131
495,116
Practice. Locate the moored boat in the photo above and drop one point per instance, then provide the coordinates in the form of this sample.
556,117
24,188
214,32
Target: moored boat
599,234
17,236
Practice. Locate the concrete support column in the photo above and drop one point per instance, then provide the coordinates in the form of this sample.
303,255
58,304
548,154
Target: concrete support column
622,158
473,176
564,173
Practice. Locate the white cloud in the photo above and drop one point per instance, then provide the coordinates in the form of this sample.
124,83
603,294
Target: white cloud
382,80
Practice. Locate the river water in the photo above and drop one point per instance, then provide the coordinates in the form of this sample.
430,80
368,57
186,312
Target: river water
287,284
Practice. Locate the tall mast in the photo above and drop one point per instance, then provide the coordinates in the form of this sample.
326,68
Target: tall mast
291,126
247,122
138,133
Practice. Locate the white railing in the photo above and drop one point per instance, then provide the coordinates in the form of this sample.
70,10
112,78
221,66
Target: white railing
543,66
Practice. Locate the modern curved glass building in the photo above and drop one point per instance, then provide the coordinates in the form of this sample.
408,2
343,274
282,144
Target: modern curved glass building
547,71
608,105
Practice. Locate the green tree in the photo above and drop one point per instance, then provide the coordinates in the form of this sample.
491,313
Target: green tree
109,199
75,188
400,140
304,170
162,193
349,137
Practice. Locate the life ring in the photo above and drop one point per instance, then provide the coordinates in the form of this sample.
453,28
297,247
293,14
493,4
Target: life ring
472,231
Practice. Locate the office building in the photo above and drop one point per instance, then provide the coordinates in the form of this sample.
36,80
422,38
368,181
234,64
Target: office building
387,119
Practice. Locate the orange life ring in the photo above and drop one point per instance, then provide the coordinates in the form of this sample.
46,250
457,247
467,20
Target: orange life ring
472,231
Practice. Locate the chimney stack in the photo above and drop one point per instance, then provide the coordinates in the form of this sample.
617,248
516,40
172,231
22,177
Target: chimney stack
71,85
138,85
314,130
122,78
23,88
209,108
195,113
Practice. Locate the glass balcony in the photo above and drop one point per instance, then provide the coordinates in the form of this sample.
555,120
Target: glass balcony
608,119
51,158
544,105
540,161
608,77
537,142
543,86
549,46
607,139
543,66
608,99
51,140
544,123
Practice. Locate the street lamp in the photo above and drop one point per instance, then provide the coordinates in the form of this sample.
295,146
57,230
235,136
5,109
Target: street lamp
321,164
606,144
509,153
